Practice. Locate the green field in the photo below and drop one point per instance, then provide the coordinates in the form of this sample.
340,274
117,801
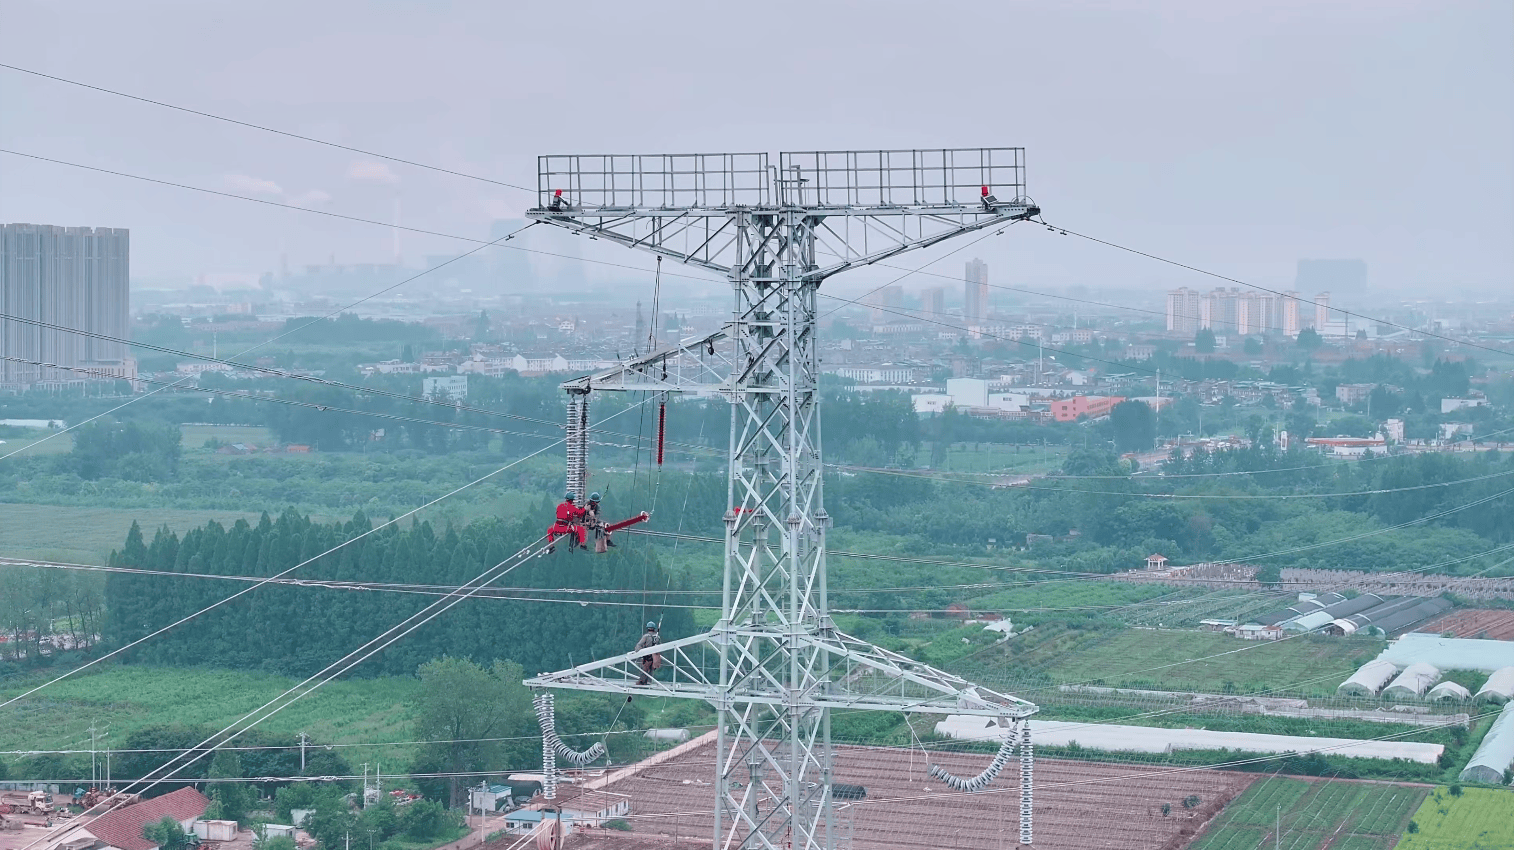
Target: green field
358,711
1479,819
994,457
88,535
1149,658
47,443
196,435
1313,815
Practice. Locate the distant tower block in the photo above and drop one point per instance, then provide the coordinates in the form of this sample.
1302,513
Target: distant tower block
775,665
975,292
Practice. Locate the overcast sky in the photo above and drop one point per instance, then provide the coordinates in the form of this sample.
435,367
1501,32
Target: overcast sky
1235,136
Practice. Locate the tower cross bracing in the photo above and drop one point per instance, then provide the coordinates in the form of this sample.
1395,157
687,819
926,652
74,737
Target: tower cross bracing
775,665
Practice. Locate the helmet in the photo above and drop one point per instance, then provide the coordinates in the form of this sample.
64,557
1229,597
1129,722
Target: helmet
593,497
651,627
570,497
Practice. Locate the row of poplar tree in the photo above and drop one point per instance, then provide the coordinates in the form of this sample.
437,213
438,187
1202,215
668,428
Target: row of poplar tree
297,630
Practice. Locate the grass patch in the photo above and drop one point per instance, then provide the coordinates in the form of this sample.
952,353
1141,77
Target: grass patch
997,457
26,438
89,535
195,436
358,711
1479,819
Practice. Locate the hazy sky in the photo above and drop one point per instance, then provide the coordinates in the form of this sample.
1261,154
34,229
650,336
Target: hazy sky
1235,136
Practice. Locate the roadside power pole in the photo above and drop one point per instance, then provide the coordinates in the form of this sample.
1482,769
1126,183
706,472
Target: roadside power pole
304,741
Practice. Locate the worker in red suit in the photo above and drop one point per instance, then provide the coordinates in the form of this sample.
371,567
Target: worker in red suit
570,519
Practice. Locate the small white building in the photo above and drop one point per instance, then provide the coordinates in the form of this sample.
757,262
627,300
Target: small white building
454,388
1448,405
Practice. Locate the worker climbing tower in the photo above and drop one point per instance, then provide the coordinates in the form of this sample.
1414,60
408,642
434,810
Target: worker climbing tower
775,664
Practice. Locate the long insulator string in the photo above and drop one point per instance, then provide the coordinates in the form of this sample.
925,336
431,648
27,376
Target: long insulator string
662,426
981,781
546,715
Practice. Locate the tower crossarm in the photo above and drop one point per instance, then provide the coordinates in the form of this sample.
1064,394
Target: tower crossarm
845,673
693,366
861,207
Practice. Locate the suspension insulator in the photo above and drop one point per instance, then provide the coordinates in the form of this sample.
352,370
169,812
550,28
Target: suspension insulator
1027,777
552,745
662,428
981,781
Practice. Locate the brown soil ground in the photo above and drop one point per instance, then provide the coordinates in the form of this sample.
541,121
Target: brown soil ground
1474,623
1078,805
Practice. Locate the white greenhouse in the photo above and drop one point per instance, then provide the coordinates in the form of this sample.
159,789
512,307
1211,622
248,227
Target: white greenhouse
1496,755
1370,679
1413,682
1499,688
1449,692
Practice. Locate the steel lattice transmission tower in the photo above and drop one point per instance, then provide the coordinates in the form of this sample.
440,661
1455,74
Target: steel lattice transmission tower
775,664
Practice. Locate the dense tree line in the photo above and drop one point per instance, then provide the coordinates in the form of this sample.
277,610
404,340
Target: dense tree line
1115,525
191,762
299,630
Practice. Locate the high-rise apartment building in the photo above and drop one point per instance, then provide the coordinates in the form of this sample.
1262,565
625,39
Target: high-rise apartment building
1288,318
885,303
975,292
1183,307
1321,311
933,303
1223,310
72,277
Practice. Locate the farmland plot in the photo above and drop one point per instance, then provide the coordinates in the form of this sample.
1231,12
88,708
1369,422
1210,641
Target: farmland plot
1479,819
1313,815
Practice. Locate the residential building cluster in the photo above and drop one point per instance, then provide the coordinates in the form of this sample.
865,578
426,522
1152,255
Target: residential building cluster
53,278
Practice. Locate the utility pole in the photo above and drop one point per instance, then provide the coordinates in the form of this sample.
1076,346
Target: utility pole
775,232
305,739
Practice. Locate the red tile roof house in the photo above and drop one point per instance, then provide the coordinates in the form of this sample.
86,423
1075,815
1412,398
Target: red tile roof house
122,828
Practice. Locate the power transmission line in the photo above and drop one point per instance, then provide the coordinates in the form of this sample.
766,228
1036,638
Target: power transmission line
263,128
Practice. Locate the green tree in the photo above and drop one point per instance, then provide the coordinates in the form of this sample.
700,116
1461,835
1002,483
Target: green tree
331,822
133,450
424,819
1253,346
464,704
1204,341
1134,426
1309,339
233,798
166,833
